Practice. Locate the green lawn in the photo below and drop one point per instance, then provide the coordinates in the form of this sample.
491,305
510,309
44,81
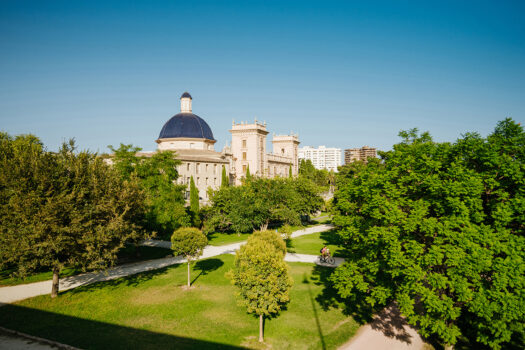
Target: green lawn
312,244
126,255
151,310
221,238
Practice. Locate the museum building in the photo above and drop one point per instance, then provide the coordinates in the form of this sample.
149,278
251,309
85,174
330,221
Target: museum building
192,139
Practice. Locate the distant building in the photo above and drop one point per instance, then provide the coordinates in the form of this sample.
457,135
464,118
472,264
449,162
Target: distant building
248,148
363,153
323,157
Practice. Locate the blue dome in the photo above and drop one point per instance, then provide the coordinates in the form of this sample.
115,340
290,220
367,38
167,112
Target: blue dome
186,94
186,125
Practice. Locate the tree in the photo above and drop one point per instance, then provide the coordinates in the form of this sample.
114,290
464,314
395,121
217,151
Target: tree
157,175
262,277
260,202
438,227
63,208
188,242
194,203
225,182
248,175
290,174
272,237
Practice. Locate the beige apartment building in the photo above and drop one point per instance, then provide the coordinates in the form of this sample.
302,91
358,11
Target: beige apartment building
363,153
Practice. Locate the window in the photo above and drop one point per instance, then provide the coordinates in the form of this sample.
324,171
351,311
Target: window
206,182
243,155
188,167
215,181
198,181
282,150
197,168
244,169
206,167
215,169
244,143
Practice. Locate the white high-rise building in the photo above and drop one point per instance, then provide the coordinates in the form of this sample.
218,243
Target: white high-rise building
323,157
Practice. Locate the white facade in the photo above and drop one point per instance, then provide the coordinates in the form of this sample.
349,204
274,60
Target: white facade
322,157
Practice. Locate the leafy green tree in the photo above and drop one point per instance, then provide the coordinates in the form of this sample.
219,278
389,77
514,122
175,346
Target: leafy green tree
320,177
290,174
272,237
225,181
157,175
438,228
63,208
194,203
188,242
262,277
260,202
248,175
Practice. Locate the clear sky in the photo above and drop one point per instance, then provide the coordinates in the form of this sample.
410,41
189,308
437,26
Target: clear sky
341,74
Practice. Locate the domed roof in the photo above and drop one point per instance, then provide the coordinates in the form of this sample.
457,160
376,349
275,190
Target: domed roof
186,125
186,94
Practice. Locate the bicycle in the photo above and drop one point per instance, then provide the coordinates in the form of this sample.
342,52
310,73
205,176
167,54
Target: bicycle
328,259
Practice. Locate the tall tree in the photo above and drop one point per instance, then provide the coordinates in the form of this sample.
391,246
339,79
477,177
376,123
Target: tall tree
194,203
157,176
290,174
225,182
248,175
63,208
439,228
188,242
262,277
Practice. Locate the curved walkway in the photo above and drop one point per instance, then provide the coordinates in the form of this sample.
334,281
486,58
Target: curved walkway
15,293
388,331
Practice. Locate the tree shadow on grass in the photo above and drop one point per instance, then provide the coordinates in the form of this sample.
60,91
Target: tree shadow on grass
332,238
314,309
206,266
387,320
289,246
89,334
329,298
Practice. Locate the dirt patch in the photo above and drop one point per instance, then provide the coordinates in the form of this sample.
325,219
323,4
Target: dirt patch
252,342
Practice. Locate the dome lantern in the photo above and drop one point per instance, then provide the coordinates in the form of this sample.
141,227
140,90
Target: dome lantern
185,103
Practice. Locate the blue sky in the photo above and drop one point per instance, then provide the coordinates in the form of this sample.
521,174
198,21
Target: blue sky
339,73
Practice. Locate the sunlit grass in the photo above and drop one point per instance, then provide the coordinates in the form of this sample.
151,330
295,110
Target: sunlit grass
312,243
156,302
222,238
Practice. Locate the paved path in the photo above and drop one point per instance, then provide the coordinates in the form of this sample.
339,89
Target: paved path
298,233
388,331
24,291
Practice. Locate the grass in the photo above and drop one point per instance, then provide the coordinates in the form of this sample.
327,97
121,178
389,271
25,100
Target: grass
125,255
312,244
222,238
151,310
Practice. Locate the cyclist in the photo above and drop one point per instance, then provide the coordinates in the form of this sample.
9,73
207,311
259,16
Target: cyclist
325,252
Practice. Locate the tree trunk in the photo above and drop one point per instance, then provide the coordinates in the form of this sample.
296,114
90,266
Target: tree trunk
54,288
449,347
188,273
261,337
